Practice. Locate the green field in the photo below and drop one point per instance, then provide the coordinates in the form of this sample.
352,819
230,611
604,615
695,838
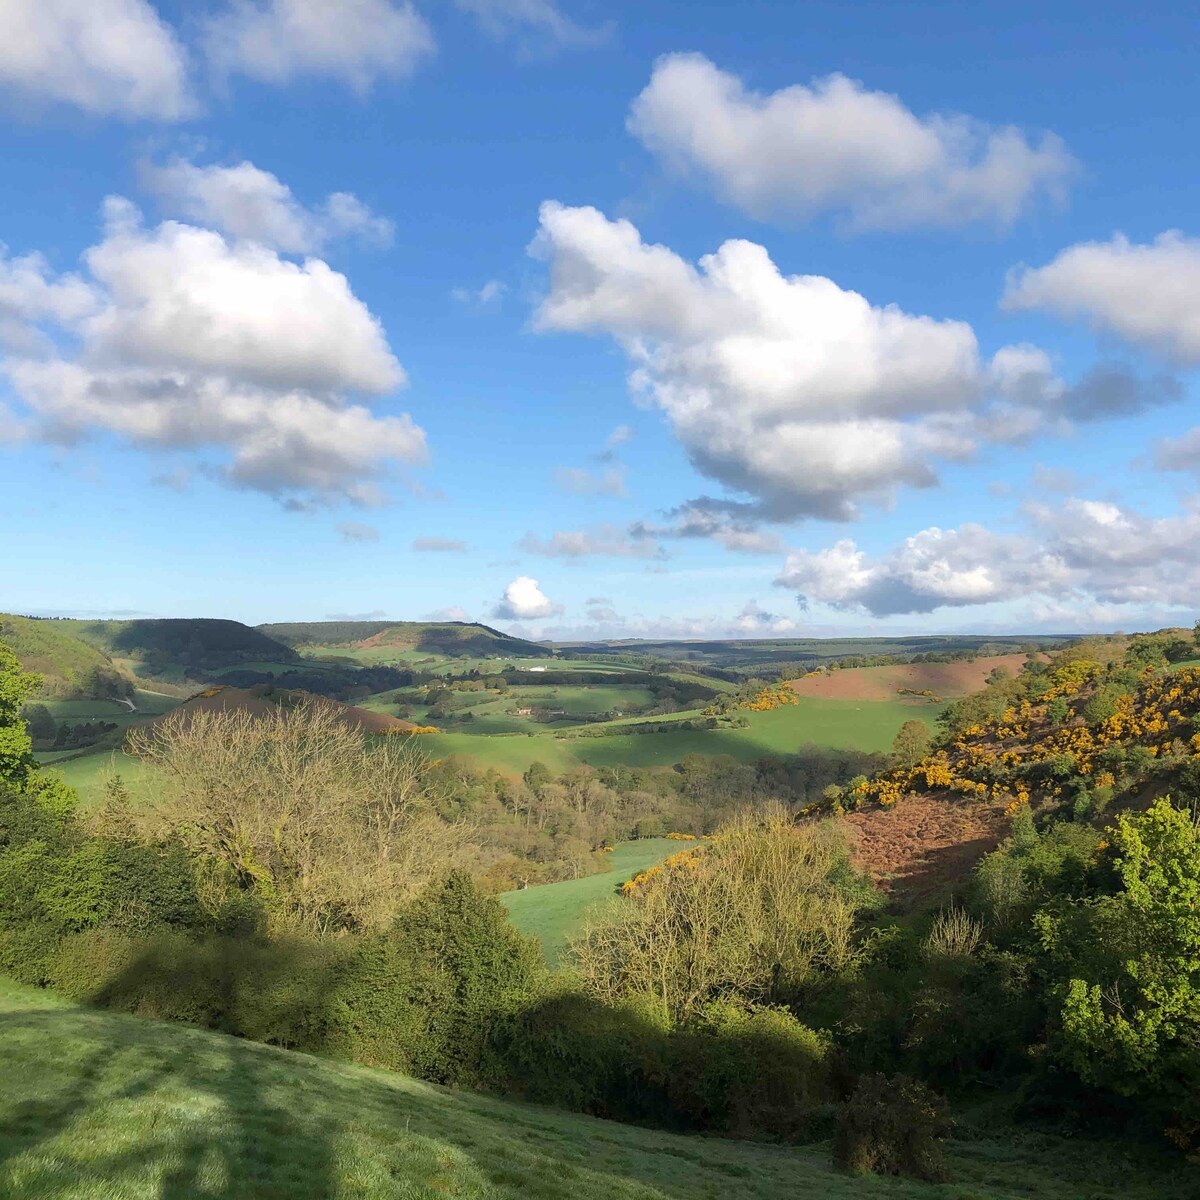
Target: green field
510,744
553,912
843,724
98,1105
90,773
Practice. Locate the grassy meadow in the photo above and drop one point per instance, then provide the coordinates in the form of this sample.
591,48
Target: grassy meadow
553,912
843,724
111,1107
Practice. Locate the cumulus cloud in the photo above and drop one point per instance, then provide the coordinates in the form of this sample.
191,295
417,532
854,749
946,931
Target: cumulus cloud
107,57
1089,551
1025,375
726,524
604,541
1148,294
188,341
579,481
438,545
244,201
356,531
455,612
353,41
30,294
1179,453
788,388
524,600
834,146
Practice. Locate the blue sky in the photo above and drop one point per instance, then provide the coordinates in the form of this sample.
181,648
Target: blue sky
937,373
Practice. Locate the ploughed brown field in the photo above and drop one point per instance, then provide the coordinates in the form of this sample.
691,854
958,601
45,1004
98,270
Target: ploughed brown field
947,680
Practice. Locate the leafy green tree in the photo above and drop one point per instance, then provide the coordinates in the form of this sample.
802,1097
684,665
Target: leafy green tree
1131,993
911,744
16,748
39,722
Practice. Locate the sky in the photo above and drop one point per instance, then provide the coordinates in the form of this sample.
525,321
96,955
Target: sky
601,320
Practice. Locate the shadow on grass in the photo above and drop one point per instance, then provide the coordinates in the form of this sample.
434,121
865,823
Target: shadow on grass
120,1107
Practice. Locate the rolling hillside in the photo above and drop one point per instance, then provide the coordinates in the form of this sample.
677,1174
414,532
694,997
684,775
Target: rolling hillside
447,638
70,668
101,1105
946,680
173,648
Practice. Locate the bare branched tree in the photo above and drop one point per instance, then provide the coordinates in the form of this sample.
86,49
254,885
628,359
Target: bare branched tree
333,830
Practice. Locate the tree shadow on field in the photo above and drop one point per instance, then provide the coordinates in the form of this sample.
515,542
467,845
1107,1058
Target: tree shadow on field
119,1105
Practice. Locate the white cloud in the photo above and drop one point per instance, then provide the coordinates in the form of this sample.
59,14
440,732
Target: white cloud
835,146
356,531
706,518
1086,552
455,612
30,295
184,296
606,541
502,18
354,41
524,600
244,201
107,57
1179,453
1147,294
490,293
618,437
788,388
438,545
579,481
187,341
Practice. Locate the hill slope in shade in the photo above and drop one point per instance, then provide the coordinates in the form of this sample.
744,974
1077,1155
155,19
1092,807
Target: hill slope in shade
101,1105
265,699
446,637
947,680
69,667
180,643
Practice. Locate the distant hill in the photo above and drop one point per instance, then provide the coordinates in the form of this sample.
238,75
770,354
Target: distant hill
745,656
179,645
69,667
441,637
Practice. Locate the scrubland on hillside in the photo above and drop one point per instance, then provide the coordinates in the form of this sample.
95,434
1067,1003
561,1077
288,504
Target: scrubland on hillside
839,951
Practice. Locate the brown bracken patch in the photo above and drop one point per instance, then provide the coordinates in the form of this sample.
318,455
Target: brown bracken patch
924,847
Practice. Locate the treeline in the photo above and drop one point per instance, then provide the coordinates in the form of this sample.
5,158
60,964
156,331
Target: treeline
546,827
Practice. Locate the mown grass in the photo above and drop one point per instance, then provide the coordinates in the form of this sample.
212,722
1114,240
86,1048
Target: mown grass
98,1105
552,912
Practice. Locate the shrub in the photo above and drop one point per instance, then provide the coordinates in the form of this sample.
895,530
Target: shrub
751,1072
892,1126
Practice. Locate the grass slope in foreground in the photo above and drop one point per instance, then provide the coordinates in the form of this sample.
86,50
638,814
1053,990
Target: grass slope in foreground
552,912
101,1105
